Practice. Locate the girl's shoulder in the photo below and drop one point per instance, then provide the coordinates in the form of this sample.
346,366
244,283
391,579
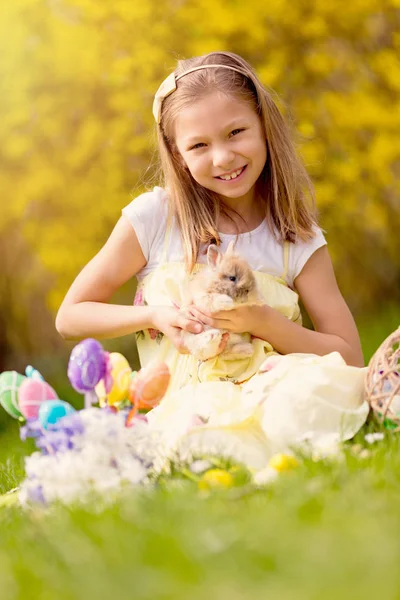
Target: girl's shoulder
147,205
266,254
300,252
148,216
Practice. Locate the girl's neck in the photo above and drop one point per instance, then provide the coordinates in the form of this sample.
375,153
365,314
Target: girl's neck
245,218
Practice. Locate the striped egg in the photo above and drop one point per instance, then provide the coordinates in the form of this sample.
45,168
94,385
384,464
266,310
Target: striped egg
10,382
31,394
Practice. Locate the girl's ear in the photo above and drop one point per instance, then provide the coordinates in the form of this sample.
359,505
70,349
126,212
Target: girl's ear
213,256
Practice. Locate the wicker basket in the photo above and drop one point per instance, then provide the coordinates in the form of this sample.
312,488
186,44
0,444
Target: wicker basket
382,384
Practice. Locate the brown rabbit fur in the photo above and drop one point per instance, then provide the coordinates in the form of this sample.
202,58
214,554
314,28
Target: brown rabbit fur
226,282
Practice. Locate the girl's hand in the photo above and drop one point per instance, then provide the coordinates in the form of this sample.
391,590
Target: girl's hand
241,319
171,322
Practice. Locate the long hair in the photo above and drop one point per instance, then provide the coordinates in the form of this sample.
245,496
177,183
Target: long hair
283,187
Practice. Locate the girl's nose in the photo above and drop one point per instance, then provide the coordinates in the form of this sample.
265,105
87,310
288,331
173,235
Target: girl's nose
222,157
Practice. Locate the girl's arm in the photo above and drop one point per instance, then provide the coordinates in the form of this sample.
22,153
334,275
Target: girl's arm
335,329
86,312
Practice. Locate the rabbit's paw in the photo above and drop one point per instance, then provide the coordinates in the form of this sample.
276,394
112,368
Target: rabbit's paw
203,345
222,302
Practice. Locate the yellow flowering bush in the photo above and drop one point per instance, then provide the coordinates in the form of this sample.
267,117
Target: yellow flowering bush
77,130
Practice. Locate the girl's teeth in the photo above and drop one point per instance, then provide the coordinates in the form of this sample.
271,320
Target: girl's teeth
233,176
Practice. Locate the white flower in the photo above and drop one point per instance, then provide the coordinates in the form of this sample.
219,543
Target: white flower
373,437
105,456
199,466
265,476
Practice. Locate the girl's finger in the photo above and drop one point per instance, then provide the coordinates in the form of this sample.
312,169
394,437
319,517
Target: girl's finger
223,314
188,314
216,323
206,320
181,348
224,342
197,314
176,338
189,325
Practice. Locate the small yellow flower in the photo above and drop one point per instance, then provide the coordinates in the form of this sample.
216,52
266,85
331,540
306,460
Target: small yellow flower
283,462
216,478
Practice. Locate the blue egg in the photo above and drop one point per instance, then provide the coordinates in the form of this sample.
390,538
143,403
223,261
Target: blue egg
52,411
33,373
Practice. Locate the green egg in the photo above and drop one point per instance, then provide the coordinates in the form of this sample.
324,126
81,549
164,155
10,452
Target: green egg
9,384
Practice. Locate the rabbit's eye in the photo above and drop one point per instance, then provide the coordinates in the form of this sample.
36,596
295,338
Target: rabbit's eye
232,278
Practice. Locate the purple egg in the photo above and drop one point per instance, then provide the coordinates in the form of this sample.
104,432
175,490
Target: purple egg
87,365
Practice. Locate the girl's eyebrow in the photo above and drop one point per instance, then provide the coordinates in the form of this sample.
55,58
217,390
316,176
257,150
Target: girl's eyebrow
230,126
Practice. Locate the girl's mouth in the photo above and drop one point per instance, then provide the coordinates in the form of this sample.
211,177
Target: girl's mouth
235,175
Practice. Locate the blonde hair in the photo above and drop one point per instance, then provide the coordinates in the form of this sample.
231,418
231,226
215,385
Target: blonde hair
284,186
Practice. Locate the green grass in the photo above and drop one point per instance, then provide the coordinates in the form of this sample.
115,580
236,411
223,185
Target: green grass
375,328
327,530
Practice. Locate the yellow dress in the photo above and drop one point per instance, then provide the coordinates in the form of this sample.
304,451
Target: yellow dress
224,407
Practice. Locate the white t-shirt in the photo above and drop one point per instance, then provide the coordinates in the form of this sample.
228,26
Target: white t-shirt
148,216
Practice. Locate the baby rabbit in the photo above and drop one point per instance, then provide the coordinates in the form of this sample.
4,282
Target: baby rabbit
225,283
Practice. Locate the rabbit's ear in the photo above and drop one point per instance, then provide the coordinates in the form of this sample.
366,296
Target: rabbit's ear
213,255
231,248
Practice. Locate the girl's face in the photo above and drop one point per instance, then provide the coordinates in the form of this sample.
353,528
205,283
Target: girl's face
221,141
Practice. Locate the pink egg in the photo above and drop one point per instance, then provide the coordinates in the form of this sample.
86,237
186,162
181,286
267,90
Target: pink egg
31,394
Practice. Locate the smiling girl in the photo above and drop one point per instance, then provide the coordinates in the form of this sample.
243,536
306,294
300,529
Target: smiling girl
229,172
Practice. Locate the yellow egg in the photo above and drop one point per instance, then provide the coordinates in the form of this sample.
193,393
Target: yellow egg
121,372
283,462
216,478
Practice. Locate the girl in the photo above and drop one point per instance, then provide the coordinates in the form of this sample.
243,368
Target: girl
229,172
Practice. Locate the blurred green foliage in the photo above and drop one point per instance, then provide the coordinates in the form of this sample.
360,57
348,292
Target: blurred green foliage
328,529
78,78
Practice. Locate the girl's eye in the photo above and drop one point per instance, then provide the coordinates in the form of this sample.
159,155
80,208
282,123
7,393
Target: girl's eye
199,145
236,131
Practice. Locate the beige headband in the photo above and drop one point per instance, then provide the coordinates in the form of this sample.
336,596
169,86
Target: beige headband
169,85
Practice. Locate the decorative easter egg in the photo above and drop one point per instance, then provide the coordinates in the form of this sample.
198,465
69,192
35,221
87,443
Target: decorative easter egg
382,384
149,386
31,394
87,365
33,373
52,411
10,382
121,375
